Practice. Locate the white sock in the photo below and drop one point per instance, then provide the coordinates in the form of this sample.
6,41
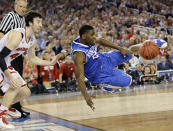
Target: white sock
2,108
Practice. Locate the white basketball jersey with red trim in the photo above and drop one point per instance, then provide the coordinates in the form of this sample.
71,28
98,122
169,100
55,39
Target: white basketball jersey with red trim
20,49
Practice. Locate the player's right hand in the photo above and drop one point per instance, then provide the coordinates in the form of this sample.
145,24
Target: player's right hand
89,102
15,82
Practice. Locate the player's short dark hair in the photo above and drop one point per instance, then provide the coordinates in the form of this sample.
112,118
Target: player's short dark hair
84,29
30,16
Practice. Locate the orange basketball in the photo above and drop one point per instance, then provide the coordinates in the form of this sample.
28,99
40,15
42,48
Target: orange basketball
149,50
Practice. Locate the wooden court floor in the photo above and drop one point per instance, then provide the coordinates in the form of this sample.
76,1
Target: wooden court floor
145,108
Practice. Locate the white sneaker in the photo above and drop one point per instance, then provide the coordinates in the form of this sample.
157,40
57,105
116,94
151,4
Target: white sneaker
3,122
13,113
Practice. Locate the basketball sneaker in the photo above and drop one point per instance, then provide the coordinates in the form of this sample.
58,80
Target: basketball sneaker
3,122
24,114
111,90
18,107
13,113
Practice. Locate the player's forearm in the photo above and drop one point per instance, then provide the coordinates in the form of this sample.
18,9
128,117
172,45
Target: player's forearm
82,87
79,73
37,61
108,44
135,48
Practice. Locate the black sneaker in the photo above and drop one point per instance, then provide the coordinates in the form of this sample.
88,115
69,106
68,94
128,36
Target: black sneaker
18,107
24,114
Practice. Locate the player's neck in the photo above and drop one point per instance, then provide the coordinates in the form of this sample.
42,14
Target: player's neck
82,41
29,32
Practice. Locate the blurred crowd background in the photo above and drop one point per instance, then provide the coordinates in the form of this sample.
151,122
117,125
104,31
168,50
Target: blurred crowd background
123,22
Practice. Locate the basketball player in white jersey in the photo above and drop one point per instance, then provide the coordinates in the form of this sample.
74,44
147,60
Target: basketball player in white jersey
13,44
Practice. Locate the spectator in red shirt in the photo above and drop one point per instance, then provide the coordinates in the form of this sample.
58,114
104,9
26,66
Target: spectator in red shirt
169,22
66,75
130,33
67,70
49,74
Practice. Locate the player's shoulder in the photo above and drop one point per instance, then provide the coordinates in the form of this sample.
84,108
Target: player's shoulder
15,34
78,47
76,43
18,31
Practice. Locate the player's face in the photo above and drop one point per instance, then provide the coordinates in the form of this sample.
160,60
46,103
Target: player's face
90,37
37,25
20,7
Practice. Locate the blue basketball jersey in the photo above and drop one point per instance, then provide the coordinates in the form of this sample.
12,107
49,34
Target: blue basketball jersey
92,62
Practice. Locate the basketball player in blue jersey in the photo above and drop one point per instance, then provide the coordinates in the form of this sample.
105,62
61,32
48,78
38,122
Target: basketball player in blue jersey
98,68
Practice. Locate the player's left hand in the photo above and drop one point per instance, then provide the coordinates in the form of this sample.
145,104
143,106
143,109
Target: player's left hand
124,51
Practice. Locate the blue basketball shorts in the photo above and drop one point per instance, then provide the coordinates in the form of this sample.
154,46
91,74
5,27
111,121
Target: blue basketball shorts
109,75
117,78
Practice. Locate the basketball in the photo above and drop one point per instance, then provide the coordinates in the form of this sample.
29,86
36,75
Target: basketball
149,50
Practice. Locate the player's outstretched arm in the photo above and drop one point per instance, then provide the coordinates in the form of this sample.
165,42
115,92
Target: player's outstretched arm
37,61
135,48
79,60
110,44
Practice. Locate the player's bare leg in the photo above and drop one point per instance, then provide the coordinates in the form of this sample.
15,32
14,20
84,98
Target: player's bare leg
23,93
7,101
9,97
